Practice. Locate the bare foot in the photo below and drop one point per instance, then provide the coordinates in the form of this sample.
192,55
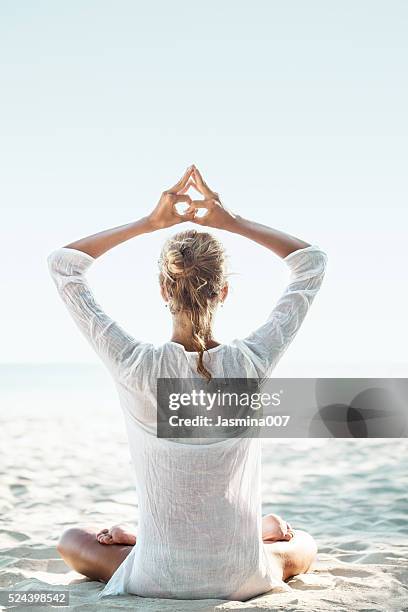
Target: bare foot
275,529
116,535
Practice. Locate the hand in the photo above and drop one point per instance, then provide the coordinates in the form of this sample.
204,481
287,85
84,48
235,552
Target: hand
165,213
200,185
217,215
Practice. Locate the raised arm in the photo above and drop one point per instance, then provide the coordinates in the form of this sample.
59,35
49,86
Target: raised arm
218,216
68,265
307,264
164,215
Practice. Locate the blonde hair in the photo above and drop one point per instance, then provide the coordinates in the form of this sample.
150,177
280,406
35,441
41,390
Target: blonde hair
192,272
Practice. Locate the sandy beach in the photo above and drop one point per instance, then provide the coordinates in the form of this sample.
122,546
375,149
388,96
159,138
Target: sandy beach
280,129
64,462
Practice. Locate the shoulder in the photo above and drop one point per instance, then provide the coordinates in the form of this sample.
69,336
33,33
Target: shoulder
247,352
137,362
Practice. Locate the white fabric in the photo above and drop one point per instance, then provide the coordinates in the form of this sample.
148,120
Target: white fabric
200,530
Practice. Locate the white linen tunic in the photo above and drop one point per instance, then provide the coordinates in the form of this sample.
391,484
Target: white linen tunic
200,529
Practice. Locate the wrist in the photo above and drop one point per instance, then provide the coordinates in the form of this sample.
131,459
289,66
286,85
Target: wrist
151,223
233,224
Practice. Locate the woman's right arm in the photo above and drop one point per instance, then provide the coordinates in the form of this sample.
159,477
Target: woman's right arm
307,265
218,216
280,243
266,345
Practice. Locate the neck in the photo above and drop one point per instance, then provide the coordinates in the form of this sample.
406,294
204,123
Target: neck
183,333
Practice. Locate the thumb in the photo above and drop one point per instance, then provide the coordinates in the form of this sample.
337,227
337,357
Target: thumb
190,213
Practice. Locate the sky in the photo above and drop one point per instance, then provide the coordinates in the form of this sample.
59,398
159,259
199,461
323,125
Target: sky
295,112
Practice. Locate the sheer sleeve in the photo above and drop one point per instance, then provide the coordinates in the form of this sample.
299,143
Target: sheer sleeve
266,345
117,349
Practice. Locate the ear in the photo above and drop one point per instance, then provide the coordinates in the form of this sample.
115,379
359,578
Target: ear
224,293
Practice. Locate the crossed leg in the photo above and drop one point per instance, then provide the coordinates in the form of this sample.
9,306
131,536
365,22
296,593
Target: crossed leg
294,556
81,550
98,555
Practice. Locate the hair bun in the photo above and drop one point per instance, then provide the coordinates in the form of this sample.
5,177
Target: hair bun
187,254
180,261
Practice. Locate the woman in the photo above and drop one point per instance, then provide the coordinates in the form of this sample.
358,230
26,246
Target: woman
201,534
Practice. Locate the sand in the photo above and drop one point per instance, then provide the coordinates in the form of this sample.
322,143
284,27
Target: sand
61,466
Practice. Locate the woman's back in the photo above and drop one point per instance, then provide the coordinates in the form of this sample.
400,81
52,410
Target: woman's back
194,497
200,506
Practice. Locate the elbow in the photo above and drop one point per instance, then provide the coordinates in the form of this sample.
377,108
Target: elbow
319,267
52,262
56,263
324,257
321,260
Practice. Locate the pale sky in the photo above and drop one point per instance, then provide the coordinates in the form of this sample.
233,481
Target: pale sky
296,113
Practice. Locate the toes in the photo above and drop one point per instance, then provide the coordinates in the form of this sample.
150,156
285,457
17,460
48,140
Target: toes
105,538
282,528
276,529
122,537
